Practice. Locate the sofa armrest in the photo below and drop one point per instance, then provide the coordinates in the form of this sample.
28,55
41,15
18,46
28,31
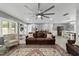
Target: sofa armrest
72,49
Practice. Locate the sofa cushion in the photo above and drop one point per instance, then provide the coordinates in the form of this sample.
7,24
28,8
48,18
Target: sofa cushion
12,41
13,36
7,37
10,36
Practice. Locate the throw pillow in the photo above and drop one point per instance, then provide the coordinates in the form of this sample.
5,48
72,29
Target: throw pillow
77,42
49,36
30,35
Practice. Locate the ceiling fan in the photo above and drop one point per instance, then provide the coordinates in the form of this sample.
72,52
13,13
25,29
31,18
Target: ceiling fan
41,14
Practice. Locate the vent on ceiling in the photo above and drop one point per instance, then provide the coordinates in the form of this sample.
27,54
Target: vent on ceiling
65,14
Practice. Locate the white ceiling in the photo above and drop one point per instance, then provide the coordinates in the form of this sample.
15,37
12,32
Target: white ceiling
18,10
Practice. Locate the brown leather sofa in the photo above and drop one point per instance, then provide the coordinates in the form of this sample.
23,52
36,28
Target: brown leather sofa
44,41
40,38
72,48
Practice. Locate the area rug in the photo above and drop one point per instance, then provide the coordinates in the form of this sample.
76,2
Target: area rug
38,50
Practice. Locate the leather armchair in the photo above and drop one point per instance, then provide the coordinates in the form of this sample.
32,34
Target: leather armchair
72,49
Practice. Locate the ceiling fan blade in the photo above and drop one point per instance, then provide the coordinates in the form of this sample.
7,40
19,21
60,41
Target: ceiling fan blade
29,8
38,7
48,9
46,16
49,14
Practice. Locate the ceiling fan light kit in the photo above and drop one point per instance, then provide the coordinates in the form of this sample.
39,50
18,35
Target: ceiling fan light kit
39,16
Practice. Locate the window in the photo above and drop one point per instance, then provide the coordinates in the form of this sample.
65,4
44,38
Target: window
8,27
12,27
5,27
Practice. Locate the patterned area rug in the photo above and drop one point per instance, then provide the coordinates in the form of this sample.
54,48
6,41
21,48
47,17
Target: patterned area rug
38,50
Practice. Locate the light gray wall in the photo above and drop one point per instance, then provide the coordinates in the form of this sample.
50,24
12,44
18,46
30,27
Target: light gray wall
10,17
77,24
67,26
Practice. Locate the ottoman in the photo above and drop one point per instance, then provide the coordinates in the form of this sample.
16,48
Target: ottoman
2,49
